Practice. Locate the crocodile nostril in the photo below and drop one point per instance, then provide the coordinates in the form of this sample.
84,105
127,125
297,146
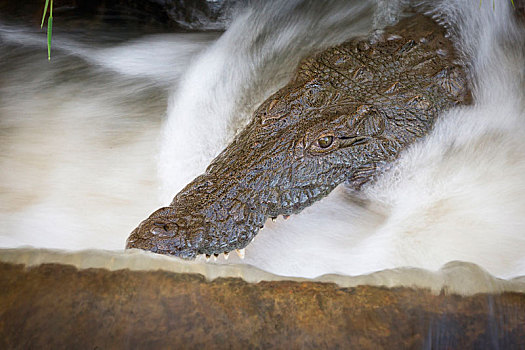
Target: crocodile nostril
157,231
162,229
160,225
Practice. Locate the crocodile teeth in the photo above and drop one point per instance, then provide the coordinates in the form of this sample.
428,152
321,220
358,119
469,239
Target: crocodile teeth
226,255
240,253
208,257
273,218
215,256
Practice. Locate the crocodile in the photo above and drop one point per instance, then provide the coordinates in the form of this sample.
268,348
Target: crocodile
348,112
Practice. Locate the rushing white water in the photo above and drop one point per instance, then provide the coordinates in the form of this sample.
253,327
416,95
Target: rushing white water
85,156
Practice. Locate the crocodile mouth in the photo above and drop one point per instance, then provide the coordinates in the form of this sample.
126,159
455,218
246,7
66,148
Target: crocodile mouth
178,231
240,252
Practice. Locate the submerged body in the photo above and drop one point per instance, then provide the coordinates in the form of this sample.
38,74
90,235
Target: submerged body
349,111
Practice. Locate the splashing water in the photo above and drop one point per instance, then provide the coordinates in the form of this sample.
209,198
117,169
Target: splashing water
83,139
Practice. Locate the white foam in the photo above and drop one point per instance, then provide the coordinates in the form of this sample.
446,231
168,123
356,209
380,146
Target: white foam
450,279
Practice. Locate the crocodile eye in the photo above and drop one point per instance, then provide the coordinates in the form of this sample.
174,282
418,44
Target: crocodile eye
325,141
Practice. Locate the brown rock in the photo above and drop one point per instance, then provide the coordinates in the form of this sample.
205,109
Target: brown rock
58,306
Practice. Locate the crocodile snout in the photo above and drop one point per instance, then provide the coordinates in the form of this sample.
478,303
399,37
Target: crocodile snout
160,233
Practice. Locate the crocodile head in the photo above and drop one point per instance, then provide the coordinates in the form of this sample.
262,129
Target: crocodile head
348,111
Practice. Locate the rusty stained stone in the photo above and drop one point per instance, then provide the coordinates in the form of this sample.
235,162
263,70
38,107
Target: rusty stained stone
58,306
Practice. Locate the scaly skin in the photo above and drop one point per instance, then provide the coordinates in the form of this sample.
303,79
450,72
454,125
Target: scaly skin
348,111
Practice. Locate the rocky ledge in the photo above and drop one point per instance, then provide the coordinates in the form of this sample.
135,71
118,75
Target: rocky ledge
46,302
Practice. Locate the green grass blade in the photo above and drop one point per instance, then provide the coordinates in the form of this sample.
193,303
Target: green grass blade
512,1
44,14
49,30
